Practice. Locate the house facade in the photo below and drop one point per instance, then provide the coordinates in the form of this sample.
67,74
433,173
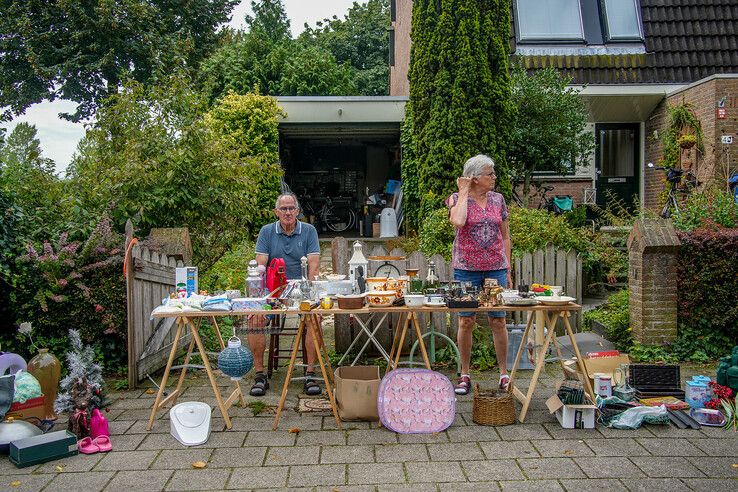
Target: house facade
630,59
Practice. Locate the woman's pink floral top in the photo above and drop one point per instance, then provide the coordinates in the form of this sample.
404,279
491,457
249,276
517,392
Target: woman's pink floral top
478,246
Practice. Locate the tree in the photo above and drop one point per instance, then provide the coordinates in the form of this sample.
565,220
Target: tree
459,91
84,50
154,155
359,40
549,130
268,59
29,177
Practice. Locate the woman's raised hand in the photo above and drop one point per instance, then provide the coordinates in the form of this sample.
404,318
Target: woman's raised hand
464,183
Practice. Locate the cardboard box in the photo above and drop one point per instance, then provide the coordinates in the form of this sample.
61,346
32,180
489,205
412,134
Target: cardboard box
186,279
572,416
40,449
603,365
356,392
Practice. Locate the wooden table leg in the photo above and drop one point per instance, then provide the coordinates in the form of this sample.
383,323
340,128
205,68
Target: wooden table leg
398,349
321,344
290,368
523,343
172,353
312,324
211,376
580,361
421,343
395,339
540,362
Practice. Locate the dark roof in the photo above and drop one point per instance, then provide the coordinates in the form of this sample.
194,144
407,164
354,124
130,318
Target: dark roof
685,41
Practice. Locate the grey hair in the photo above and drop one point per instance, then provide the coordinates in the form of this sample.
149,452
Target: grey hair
477,164
287,194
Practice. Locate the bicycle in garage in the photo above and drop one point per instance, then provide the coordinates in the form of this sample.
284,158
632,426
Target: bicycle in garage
336,217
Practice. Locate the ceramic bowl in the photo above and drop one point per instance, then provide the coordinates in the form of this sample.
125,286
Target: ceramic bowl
381,298
414,300
350,301
333,277
376,283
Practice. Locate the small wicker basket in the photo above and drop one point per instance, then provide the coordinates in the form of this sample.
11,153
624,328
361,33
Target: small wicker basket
493,407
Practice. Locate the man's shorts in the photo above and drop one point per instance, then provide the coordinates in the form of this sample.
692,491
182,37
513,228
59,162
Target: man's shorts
477,279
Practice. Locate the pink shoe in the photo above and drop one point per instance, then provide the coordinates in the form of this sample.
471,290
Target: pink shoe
87,446
504,382
98,424
103,443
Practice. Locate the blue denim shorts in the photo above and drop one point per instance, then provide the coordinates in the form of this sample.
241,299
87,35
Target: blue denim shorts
477,279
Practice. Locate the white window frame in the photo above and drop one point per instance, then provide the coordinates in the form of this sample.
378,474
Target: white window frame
606,25
550,38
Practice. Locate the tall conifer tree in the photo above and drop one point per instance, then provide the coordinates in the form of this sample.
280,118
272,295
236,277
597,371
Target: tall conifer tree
459,94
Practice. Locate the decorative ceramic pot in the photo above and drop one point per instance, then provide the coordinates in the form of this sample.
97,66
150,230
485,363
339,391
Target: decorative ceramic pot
235,360
47,370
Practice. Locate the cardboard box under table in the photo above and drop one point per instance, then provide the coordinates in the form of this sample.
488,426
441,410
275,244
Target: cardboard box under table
596,365
356,392
572,416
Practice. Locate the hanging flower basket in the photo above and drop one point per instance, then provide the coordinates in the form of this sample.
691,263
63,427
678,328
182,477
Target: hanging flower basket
687,141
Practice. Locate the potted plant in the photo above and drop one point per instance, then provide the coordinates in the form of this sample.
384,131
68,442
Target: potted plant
687,141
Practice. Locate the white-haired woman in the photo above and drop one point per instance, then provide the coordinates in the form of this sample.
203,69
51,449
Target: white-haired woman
481,250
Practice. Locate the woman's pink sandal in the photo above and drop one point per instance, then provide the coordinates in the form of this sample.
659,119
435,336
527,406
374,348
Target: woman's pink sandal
504,382
463,386
103,443
87,446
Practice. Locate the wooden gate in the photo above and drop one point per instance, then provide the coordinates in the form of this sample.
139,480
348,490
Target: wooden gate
550,266
150,277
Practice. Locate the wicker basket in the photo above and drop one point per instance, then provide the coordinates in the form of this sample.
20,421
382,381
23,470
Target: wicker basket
493,407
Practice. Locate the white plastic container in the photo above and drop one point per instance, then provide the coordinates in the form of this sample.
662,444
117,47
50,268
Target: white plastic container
190,422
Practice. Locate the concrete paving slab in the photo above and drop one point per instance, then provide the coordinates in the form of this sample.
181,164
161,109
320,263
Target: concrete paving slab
140,480
236,457
224,439
126,460
616,447
473,433
77,463
531,485
375,473
715,467
303,455
74,482
547,468
717,447
710,484
653,484
270,438
396,453
523,432
204,479
456,451
347,454
435,472
593,485
371,436
415,487
612,467
486,471
469,486
562,448
671,467
25,482
322,438
309,476
669,447
180,459
508,449
258,477
436,438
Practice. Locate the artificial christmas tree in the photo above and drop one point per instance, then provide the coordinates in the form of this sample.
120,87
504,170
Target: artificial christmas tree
83,388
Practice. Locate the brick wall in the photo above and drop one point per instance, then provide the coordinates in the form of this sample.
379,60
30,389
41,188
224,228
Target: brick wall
399,85
653,249
710,166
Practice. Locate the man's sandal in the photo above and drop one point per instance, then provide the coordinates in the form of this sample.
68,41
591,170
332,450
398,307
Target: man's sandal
311,387
463,386
261,384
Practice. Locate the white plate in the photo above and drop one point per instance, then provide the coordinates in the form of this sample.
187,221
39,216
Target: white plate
434,304
555,301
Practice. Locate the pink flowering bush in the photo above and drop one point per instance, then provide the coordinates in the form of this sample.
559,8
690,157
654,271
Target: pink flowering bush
78,285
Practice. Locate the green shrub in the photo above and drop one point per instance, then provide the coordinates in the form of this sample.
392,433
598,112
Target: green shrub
230,271
76,285
613,315
712,207
708,282
531,230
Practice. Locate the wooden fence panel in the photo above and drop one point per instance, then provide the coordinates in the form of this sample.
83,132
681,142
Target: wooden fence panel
150,277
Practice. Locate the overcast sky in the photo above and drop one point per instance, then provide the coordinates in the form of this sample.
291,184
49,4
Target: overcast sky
59,138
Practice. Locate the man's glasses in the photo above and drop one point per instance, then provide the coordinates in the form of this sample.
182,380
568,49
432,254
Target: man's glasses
287,209
492,174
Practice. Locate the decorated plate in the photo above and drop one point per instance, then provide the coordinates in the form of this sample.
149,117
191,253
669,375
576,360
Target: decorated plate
434,304
521,301
556,301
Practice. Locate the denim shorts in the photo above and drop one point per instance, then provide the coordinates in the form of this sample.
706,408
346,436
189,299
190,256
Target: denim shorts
477,279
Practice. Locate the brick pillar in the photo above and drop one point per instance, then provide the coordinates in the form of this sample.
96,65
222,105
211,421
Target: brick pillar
653,247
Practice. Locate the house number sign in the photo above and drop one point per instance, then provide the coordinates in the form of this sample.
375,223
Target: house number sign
726,139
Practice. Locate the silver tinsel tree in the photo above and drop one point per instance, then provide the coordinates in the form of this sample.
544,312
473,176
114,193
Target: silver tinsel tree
83,387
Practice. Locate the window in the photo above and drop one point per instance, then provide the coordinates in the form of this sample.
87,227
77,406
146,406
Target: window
578,22
622,20
549,20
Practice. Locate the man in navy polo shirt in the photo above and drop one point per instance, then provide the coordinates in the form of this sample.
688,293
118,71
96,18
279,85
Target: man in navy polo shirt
290,239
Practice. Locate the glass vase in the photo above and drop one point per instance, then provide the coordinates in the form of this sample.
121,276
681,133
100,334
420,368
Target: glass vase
45,367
